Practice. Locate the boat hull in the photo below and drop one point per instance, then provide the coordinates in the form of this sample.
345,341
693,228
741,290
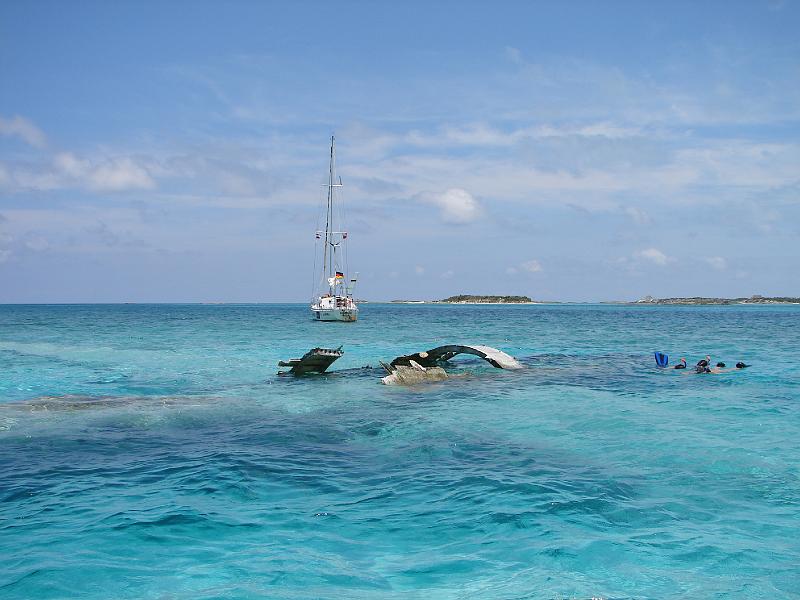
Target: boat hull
347,315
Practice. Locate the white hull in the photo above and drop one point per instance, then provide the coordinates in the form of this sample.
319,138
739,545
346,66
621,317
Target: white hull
334,314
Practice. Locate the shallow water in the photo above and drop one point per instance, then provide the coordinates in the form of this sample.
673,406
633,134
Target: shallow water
151,452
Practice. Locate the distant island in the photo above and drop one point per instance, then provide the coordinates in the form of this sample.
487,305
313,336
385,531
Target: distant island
690,301
472,299
701,300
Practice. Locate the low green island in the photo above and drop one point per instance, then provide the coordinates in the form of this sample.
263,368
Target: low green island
700,300
677,301
472,299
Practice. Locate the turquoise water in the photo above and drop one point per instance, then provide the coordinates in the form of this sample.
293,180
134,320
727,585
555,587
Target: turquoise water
151,452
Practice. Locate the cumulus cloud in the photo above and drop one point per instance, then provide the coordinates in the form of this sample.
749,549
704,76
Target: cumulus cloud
70,165
69,171
653,255
22,128
457,206
717,262
120,174
532,266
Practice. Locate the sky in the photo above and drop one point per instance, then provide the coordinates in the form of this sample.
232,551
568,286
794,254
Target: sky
576,151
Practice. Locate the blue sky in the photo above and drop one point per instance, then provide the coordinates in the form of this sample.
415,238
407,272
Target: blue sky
574,151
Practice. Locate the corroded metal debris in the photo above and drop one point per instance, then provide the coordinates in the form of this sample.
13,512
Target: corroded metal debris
316,360
412,373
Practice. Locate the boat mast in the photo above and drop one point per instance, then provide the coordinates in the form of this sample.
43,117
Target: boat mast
329,252
327,259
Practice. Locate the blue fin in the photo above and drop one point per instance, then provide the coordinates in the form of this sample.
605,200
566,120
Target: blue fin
662,360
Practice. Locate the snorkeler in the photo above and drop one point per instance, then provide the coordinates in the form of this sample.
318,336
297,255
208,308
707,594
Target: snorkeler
702,365
720,365
741,365
681,364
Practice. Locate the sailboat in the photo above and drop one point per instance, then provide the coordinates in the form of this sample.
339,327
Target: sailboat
333,298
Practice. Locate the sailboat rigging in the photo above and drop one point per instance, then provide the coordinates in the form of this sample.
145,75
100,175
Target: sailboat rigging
333,300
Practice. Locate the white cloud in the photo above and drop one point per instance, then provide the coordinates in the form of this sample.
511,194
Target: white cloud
23,129
603,129
638,215
653,255
511,271
609,130
419,270
717,262
473,134
237,184
743,162
532,266
120,174
67,171
448,274
484,134
457,206
68,164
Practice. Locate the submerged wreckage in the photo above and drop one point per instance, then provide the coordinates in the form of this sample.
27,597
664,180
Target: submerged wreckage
316,360
426,366
410,369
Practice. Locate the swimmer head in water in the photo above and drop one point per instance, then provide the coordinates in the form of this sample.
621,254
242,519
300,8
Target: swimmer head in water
702,365
681,364
704,362
741,365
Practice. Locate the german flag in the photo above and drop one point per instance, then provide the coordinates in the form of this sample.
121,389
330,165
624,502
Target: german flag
339,275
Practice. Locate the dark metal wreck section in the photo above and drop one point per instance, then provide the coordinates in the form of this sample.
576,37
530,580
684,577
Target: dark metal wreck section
316,360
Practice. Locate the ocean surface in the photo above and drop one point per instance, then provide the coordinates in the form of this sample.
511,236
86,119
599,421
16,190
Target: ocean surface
150,451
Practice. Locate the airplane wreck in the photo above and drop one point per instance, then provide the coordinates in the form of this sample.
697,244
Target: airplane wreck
410,369
423,367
